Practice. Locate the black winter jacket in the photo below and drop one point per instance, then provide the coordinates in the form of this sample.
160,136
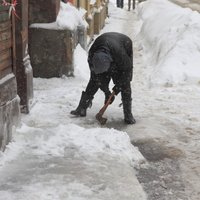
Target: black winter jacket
118,46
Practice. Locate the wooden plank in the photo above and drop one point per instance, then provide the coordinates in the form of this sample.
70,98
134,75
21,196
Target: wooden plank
24,77
3,8
5,55
24,34
13,44
5,72
5,45
5,63
4,16
5,35
5,25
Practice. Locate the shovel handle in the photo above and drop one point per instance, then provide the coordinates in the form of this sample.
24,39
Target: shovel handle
107,103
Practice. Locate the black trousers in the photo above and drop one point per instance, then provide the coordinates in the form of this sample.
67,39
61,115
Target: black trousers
129,4
98,81
102,81
120,3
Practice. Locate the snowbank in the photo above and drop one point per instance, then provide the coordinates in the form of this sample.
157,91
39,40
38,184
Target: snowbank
89,142
171,40
81,67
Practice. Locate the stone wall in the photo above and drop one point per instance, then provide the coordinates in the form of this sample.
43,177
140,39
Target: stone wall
51,52
9,109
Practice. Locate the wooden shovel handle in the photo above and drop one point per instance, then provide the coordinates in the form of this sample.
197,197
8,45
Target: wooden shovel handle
103,109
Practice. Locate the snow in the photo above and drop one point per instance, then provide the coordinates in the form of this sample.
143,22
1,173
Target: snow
6,78
92,2
81,67
55,156
175,39
69,17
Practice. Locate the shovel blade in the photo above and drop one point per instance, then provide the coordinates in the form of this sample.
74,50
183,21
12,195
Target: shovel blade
101,119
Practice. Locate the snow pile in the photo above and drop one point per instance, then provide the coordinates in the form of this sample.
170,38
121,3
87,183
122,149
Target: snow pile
69,17
81,67
171,40
89,142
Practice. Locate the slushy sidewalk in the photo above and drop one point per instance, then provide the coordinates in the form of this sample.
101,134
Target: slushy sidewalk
193,4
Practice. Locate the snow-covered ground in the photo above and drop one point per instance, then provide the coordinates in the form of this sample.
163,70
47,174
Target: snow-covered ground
55,156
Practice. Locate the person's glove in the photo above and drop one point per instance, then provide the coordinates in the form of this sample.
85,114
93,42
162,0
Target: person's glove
117,89
107,95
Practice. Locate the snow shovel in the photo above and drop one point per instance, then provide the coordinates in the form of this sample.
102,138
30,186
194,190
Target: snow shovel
99,115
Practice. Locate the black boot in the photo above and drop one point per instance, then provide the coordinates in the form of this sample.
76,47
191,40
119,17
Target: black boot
128,117
127,105
84,103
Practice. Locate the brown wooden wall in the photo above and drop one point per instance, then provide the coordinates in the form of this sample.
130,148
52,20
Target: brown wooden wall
9,101
6,42
14,35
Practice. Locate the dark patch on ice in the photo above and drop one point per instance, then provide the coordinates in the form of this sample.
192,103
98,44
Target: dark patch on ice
161,178
155,151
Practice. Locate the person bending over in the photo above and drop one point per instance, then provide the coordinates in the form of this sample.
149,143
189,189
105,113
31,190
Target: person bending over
110,57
